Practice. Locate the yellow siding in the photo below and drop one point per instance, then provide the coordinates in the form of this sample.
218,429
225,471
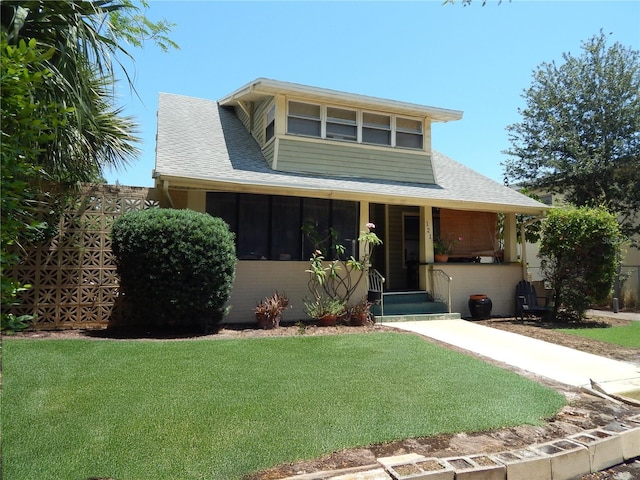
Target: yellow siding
244,118
256,279
337,158
179,198
259,120
497,281
268,152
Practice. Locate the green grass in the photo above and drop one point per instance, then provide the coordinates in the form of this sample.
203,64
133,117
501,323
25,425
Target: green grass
625,335
221,409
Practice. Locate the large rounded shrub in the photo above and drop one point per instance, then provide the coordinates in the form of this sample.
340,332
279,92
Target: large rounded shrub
580,255
176,267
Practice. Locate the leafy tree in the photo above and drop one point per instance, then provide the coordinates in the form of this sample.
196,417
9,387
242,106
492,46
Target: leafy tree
580,254
27,126
59,122
580,131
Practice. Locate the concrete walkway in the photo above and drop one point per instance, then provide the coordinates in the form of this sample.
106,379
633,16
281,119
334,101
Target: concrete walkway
556,362
610,314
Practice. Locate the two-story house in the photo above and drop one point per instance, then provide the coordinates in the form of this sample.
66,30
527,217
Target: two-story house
272,157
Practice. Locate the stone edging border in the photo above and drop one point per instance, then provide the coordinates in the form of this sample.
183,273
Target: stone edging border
562,459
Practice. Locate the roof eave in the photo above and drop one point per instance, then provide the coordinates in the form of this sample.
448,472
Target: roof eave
262,87
190,183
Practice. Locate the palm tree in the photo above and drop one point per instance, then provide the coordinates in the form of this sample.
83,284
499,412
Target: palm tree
85,37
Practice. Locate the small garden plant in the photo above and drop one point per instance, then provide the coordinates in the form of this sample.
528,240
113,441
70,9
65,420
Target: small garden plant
269,311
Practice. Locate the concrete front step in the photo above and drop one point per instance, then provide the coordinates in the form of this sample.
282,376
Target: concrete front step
417,317
411,308
409,303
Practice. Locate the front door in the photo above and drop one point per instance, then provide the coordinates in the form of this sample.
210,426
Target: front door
411,246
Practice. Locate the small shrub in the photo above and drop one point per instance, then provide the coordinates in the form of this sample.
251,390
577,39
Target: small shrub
269,311
176,267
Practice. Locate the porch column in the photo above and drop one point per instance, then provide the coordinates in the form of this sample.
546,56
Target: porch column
364,219
510,241
426,245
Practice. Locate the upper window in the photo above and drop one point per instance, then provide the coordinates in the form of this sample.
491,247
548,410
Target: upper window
408,132
304,119
322,121
376,128
342,124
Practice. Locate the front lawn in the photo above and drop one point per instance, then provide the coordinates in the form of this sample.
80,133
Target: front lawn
218,409
624,335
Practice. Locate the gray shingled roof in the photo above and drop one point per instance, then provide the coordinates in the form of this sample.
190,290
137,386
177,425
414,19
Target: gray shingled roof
200,141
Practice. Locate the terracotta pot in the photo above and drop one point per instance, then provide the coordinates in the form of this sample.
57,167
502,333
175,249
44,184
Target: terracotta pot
328,320
441,258
358,319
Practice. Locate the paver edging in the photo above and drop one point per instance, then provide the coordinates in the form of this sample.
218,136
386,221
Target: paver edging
413,466
605,448
569,459
477,467
629,434
564,458
525,464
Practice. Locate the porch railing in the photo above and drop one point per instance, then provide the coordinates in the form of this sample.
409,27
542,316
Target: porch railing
375,287
440,283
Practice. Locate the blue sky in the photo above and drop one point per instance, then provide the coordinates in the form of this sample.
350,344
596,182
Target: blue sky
475,59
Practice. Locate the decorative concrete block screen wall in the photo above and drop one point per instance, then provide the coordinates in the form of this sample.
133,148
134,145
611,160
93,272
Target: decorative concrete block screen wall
73,275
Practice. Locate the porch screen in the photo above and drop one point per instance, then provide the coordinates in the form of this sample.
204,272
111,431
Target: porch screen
478,231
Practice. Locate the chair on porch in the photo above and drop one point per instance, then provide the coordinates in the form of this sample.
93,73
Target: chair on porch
527,301
375,289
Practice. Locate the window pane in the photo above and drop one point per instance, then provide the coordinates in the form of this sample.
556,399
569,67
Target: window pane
408,140
339,115
345,223
270,123
223,205
286,237
253,227
316,214
375,120
342,132
380,137
408,125
303,127
305,110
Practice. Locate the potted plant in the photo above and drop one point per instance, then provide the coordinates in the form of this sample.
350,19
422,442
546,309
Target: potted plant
269,311
325,310
359,313
442,248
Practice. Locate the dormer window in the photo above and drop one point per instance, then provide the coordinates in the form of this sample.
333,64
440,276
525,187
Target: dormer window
408,133
304,119
376,128
342,124
351,125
